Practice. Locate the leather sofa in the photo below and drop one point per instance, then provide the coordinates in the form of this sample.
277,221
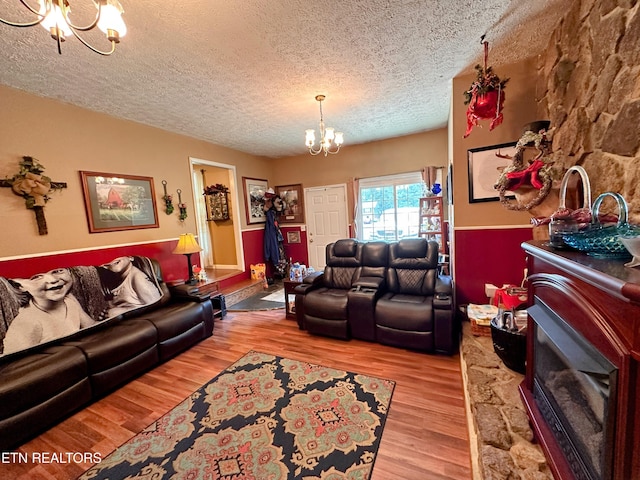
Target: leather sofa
390,293
42,387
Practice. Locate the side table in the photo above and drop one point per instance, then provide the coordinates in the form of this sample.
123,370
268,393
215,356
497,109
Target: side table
289,287
212,287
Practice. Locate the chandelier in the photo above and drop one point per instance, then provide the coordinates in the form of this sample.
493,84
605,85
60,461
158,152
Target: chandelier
53,15
328,137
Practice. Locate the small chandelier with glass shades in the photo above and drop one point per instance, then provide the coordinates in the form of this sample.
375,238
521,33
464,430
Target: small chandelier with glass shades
330,140
53,15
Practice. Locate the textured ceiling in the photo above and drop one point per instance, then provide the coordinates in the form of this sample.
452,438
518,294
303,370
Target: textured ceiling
244,73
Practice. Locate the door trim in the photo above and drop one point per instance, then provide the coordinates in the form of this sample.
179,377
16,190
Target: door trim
307,203
233,192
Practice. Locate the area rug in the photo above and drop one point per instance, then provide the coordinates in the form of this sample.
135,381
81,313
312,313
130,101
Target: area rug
263,418
268,299
277,296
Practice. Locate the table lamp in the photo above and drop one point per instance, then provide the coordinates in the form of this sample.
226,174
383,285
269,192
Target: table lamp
186,246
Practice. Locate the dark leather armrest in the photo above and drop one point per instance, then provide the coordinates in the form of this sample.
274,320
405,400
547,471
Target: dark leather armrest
369,283
443,284
443,296
309,283
314,278
188,293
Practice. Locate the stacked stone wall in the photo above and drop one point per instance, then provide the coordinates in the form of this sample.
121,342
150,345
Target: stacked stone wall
589,88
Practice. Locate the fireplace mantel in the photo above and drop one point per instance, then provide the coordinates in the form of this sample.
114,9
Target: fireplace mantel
600,299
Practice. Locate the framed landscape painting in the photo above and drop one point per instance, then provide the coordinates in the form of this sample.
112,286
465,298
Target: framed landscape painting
254,190
118,202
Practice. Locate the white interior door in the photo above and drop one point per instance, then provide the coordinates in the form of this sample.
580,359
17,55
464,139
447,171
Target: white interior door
326,213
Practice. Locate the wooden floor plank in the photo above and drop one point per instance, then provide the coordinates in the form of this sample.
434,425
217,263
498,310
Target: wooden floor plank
425,436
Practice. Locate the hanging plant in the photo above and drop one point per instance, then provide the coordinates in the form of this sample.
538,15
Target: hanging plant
168,199
485,97
182,206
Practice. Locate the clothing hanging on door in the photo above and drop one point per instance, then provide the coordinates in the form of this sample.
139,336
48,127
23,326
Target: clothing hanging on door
273,239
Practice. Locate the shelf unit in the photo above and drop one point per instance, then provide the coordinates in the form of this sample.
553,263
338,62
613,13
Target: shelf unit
217,206
432,221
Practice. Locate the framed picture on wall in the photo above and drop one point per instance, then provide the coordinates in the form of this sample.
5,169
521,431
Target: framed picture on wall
293,236
293,208
254,190
485,164
118,202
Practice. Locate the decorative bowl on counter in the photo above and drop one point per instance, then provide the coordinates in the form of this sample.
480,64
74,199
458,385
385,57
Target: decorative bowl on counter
602,241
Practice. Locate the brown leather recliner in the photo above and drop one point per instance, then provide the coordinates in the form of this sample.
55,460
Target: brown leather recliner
416,312
326,305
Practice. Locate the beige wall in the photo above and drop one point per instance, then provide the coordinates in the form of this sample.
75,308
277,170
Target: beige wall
67,139
519,109
395,155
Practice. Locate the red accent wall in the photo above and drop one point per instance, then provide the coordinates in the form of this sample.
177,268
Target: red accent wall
487,256
174,267
253,242
296,251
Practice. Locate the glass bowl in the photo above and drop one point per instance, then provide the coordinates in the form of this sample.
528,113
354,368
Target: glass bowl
602,241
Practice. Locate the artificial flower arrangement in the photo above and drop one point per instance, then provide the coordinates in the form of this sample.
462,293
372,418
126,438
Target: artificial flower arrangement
182,206
485,97
217,188
168,199
168,203
183,211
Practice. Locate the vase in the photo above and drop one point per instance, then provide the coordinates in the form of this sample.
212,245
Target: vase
435,188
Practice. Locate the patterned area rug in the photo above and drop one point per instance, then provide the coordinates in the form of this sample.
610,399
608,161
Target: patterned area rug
264,417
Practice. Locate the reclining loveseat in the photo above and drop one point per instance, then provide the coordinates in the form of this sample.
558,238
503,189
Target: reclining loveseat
391,293
44,384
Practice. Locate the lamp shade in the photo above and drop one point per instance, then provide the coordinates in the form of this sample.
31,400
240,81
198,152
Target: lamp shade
55,18
187,244
111,18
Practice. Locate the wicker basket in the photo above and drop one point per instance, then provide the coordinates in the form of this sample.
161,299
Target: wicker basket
560,226
479,317
479,330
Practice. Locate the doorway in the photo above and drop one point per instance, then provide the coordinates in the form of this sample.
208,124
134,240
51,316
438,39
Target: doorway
326,213
221,241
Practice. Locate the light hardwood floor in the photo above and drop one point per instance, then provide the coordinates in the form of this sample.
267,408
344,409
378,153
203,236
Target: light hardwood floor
425,436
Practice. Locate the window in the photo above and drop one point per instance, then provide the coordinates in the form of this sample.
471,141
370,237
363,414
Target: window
389,207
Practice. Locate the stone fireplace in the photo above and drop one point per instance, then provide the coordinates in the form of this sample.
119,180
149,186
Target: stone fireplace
582,382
